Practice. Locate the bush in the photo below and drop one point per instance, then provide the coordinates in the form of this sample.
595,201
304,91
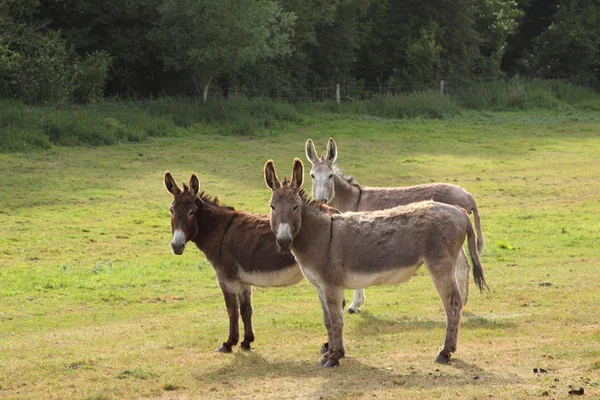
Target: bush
90,77
44,72
523,94
9,61
23,129
102,125
415,105
238,113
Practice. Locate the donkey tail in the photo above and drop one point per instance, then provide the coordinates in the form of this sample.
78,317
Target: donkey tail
480,241
477,268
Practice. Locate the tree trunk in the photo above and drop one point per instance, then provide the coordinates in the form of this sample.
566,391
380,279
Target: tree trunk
205,91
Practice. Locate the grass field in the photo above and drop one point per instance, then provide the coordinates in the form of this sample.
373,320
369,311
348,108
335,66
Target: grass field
93,304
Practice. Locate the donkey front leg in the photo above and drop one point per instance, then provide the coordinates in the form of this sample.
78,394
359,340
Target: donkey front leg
333,298
327,322
231,301
447,288
245,298
358,300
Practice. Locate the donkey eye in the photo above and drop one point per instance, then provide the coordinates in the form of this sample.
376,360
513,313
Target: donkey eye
272,207
295,208
192,213
330,176
312,176
170,209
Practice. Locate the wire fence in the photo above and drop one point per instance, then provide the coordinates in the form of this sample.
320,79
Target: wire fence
348,92
302,95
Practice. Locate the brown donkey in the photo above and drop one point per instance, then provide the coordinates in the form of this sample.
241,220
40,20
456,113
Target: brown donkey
359,249
239,245
330,185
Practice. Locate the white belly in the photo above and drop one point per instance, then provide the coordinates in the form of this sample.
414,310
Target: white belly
360,280
284,277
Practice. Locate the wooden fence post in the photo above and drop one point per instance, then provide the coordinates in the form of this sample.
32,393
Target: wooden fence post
337,93
442,87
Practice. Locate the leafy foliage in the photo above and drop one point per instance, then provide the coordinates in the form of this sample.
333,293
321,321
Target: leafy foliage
207,38
288,49
45,72
570,47
9,61
90,77
495,20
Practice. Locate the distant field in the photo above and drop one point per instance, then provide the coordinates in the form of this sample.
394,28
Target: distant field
93,304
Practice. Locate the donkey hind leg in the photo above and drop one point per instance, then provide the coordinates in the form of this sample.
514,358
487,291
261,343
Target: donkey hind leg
445,283
333,298
231,301
462,276
245,299
357,300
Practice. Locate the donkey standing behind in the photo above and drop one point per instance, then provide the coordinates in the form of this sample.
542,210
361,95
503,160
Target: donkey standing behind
358,249
239,245
330,185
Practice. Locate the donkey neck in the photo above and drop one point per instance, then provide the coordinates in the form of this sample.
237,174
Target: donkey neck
347,195
212,221
315,228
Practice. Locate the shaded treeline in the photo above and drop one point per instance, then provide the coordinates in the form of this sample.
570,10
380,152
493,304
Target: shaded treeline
83,50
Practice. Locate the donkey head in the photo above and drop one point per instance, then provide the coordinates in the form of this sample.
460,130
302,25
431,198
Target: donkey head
286,204
322,172
183,210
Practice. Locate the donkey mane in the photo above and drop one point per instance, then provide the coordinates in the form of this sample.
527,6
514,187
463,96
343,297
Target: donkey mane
213,200
205,197
347,178
319,205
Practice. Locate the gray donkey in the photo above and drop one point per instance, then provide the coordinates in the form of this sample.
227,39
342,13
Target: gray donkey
358,249
332,186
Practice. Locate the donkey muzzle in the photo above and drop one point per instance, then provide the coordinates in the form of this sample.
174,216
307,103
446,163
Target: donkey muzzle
178,242
284,243
177,248
322,199
284,237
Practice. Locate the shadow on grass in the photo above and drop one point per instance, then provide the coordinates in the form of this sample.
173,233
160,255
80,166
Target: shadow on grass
352,377
370,324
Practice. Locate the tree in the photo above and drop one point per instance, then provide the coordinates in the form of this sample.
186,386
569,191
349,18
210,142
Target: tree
120,28
402,33
206,38
570,47
537,16
495,20
337,38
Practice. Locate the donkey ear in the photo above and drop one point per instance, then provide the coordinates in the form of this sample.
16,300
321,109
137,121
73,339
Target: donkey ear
311,152
297,173
271,176
331,150
194,184
171,185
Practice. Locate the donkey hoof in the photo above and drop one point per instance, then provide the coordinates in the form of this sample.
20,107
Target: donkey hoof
245,346
324,348
442,359
224,349
353,310
331,363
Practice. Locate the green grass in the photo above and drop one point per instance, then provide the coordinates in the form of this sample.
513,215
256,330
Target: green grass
93,304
